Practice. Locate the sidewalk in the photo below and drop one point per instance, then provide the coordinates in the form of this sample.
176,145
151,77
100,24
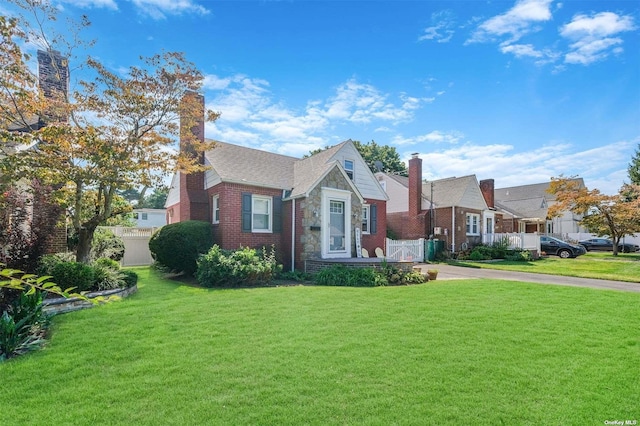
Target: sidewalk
449,272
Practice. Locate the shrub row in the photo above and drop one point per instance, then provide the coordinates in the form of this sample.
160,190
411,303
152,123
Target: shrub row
231,268
495,251
102,274
340,275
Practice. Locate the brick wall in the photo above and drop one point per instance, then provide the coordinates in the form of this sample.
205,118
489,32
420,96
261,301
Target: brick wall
228,233
371,241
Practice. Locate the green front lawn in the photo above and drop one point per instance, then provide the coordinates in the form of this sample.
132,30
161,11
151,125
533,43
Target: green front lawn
445,352
624,267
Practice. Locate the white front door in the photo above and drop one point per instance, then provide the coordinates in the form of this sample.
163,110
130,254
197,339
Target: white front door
336,223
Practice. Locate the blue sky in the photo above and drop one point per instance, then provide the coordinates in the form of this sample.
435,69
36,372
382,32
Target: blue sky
517,91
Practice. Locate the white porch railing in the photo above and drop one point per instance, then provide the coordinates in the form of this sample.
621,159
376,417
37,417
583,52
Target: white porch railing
405,250
522,241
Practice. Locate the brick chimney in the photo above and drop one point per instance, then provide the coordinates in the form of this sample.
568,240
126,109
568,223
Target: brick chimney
53,73
415,185
487,186
53,79
194,203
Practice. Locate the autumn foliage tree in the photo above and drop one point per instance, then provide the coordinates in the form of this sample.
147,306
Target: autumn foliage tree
112,133
604,215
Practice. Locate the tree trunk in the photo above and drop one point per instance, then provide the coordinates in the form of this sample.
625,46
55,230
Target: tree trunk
85,237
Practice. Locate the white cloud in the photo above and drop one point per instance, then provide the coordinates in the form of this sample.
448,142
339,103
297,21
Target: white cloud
521,50
442,29
436,136
159,9
518,21
510,168
249,115
361,103
106,4
593,36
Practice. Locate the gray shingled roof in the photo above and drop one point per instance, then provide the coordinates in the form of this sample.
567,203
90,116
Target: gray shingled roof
523,192
526,201
235,163
447,192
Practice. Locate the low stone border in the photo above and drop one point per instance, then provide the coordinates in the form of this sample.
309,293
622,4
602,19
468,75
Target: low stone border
61,305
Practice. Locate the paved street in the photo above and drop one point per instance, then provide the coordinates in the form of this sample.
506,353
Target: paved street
449,272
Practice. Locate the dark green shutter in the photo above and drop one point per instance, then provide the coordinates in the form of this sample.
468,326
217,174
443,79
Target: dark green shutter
246,212
373,220
277,214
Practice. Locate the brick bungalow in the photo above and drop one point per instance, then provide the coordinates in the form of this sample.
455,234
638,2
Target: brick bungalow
457,210
309,208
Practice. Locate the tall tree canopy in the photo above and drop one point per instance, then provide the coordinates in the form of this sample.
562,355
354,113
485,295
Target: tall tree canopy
112,133
372,153
604,215
634,167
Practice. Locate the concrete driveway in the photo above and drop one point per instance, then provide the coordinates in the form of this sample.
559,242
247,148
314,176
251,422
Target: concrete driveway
449,272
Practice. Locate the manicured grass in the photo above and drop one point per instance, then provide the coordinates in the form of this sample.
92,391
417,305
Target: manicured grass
475,352
624,267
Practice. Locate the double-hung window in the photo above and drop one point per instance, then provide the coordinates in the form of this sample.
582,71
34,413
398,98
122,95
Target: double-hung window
215,205
261,214
473,224
349,167
366,220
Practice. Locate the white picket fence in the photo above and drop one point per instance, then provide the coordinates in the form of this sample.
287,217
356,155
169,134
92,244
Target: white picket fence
405,250
136,244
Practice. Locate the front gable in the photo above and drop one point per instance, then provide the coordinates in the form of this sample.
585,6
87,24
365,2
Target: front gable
362,176
472,196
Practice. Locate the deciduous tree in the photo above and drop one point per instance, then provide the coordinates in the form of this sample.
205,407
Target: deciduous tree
114,132
604,215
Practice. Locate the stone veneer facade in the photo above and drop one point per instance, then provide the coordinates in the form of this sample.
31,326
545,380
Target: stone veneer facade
311,239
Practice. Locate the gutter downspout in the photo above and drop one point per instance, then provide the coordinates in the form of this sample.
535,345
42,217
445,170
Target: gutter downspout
453,229
293,234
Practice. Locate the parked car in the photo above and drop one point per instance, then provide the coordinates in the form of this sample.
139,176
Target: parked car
551,245
605,244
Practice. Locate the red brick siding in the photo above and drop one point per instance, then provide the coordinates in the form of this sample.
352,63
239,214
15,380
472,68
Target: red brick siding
371,241
228,233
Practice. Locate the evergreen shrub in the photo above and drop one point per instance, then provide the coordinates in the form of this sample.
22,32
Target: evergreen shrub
177,246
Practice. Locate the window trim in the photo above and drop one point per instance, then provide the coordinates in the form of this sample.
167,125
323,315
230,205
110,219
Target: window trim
328,195
352,171
215,208
366,218
269,200
471,227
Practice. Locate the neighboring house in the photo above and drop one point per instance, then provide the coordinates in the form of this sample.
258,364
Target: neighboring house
150,218
525,209
305,208
457,210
